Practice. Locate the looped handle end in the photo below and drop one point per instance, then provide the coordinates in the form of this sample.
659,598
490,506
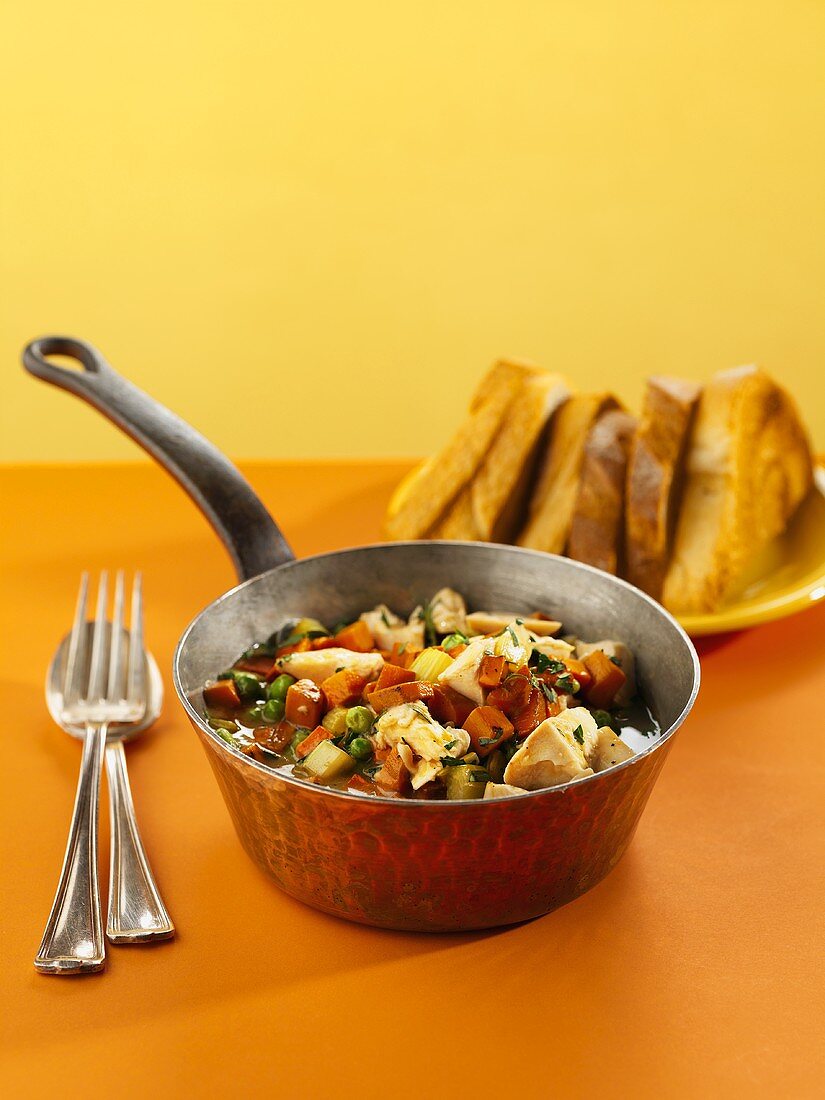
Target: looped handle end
249,533
36,361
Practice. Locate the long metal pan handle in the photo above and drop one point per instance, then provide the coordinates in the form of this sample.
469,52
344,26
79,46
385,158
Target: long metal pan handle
247,530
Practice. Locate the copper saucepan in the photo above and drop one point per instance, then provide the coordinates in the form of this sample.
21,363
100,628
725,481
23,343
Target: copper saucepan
419,865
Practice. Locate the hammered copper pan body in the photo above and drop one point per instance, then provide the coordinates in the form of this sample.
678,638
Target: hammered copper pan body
430,866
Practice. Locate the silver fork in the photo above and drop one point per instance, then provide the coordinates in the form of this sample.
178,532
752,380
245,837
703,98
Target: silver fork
114,691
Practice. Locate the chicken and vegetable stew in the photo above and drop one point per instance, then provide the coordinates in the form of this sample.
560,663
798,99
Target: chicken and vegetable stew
447,704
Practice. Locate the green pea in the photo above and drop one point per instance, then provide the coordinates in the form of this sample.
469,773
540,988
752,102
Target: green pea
279,687
255,713
360,748
360,720
273,710
249,686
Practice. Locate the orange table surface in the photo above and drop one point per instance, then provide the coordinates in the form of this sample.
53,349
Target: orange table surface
695,969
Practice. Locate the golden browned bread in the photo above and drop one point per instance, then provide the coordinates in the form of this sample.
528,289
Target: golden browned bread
597,529
654,479
748,468
554,497
444,475
457,522
492,505
499,489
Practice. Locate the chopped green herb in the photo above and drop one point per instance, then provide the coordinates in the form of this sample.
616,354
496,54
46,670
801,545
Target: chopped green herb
616,662
491,740
453,640
385,620
542,663
603,718
450,745
578,735
430,633
513,635
450,762
568,684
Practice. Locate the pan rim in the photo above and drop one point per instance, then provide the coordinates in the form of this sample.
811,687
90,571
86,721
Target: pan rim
383,800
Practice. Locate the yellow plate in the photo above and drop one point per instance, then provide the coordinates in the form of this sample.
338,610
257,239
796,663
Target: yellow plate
787,577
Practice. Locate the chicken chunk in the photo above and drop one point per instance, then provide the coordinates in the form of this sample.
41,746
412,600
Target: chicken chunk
420,740
502,790
388,629
555,752
517,641
624,658
491,622
448,612
609,750
318,665
462,675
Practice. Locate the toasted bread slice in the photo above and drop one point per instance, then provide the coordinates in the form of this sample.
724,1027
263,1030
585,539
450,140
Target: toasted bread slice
458,521
654,479
500,487
445,474
597,529
748,468
554,497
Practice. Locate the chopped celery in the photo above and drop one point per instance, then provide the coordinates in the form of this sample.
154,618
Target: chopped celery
309,626
495,765
465,781
430,663
327,761
335,720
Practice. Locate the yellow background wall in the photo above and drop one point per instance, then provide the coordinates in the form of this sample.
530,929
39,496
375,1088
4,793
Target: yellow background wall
310,225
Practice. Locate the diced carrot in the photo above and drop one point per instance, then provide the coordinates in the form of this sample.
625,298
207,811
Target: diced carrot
402,654
383,698
441,706
274,738
607,680
511,696
357,636
303,646
457,650
488,727
449,706
318,735
343,688
222,694
532,714
259,666
579,671
393,775
394,674
324,643
304,704
491,670
358,782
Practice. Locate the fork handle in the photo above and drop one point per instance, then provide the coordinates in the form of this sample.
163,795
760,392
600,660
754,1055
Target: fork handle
73,940
136,912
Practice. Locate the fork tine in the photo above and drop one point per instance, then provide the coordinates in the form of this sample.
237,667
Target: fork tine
135,684
77,646
97,664
115,688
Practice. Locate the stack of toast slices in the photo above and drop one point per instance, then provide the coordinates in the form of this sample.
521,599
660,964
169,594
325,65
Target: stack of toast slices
677,500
